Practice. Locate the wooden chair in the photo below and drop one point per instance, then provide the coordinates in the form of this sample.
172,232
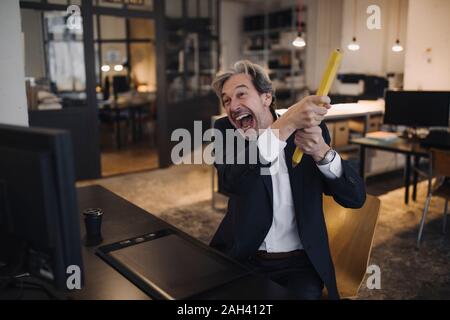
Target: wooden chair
350,235
439,168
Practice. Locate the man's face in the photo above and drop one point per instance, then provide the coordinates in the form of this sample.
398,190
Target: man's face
246,108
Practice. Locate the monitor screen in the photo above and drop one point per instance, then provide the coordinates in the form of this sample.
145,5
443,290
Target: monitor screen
120,84
417,108
39,218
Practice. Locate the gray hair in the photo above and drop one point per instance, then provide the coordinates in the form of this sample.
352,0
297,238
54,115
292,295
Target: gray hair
260,79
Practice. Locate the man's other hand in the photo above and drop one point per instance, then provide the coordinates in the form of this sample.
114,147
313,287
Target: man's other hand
311,142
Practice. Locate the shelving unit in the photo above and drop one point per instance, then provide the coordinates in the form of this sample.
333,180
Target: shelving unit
192,53
267,41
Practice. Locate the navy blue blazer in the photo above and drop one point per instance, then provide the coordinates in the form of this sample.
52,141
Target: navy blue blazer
249,215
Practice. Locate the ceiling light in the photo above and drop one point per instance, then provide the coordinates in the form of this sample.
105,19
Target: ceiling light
105,68
299,42
397,47
353,46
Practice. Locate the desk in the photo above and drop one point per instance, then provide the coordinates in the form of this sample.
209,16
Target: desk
341,111
400,145
345,111
122,220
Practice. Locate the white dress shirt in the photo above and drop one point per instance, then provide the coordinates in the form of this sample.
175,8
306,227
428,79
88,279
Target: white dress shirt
283,234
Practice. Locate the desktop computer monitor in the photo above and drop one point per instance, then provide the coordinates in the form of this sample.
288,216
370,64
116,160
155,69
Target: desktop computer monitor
39,218
417,108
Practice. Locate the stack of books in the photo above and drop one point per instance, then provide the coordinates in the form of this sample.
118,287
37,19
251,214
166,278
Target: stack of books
382,136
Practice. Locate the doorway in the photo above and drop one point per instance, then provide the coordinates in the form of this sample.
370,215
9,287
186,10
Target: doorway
125,65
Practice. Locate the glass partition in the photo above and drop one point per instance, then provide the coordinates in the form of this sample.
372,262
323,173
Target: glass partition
54,60
125,47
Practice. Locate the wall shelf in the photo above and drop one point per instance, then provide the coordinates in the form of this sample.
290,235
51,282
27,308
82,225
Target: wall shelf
267,40
192,54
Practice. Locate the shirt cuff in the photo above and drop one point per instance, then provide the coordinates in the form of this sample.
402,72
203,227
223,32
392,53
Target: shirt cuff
269,145
332,170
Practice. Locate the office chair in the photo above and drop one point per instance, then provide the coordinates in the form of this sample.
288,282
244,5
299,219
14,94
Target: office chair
350,236
113,117
439,168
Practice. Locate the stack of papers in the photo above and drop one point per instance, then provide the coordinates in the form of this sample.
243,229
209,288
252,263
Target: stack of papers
382,135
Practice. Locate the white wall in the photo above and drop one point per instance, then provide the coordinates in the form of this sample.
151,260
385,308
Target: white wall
13,104
375,55
231,25
324,25
428,28
395,62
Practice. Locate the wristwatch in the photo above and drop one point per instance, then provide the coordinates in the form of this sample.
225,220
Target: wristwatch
329,156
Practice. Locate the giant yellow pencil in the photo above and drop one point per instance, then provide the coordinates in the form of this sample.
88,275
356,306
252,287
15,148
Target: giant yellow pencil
327,79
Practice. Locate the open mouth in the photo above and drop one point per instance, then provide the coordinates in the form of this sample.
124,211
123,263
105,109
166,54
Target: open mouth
245,121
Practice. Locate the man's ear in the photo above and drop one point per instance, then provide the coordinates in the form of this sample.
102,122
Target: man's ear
267,99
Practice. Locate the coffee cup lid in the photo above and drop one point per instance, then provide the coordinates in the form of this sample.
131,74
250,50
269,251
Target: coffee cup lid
93,212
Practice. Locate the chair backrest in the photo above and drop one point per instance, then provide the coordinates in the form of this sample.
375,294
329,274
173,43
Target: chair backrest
350,235
441,162
120,85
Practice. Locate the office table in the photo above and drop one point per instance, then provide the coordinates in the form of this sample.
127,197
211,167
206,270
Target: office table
404,146
342,111
345,111
122,220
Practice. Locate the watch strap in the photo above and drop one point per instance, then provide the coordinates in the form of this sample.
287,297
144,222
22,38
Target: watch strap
329,157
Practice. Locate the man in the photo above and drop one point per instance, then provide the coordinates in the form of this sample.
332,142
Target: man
275,221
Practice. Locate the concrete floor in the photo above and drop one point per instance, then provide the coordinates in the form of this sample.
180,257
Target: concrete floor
131,158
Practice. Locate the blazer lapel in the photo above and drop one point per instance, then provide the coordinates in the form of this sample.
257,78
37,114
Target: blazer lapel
295,176
267,179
